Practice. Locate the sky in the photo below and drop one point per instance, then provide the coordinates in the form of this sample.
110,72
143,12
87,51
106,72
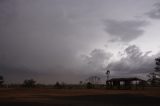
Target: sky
70,40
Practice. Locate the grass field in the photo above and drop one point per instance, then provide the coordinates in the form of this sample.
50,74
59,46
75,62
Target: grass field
78,97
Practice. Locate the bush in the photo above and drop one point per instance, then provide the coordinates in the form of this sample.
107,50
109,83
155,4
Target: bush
29,83
1,81
58,85
89,85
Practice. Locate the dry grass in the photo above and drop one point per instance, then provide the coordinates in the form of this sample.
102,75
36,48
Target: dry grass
40,95
31,92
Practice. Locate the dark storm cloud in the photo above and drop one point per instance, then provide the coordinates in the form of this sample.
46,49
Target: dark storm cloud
125,30
134,62
36,35
44,39
155,12
19,74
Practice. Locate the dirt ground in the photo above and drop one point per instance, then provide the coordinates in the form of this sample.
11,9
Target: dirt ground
79,97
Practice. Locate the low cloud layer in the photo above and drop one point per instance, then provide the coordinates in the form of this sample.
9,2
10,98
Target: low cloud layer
125,31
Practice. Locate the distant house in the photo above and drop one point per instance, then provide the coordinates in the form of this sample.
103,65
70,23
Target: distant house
125,83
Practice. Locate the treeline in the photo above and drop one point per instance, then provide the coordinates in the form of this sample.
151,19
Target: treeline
31,83
90,82
87,84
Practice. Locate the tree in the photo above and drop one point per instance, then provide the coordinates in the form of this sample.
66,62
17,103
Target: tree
58,85
93,79
154,77
29,83
157,68
1,80
80,82
89,85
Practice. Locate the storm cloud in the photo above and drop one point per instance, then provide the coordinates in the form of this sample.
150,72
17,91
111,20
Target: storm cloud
52,40
155,12
133,62
97,59
125,31
44,37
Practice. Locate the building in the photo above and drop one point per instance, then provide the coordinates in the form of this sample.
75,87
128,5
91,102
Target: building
125,83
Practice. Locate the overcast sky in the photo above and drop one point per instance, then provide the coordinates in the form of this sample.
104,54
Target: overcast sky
69,40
